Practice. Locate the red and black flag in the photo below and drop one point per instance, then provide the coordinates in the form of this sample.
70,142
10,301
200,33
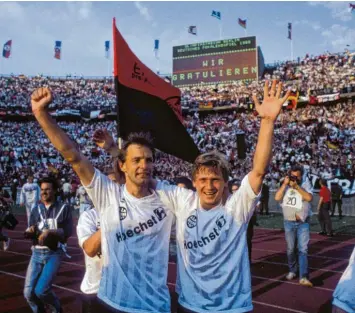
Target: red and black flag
146,102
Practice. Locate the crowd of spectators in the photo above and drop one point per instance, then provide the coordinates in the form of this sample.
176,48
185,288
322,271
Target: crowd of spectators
320,138
69,93
312,75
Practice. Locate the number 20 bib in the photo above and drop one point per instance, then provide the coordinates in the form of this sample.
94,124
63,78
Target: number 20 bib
293,199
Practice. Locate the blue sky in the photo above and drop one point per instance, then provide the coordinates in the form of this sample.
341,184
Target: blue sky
84,26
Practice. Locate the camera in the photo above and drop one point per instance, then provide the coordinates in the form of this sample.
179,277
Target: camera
33,235
293,178
51,241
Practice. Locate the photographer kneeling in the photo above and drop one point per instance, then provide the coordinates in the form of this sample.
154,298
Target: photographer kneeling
295,196
50,227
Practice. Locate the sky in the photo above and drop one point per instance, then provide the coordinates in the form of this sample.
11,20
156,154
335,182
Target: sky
83,28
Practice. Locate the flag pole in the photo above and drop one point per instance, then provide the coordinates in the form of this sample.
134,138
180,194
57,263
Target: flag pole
292,50
220,29
245,32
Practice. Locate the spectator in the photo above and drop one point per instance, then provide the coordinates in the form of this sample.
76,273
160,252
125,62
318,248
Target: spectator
323,209
296,196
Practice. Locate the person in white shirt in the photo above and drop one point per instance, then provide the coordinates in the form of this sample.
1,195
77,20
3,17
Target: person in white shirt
213,265
30,196
344,293
66,189
295,196
85,202
135,223
89,236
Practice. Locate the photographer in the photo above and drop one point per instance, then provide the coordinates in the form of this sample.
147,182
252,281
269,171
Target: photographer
50,227
295,196
5,201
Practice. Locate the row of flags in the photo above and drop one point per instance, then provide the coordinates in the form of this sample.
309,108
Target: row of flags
6,51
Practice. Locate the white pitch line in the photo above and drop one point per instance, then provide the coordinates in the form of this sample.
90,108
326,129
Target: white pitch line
278,307
309,255
55,285
19,253
289,283
312,268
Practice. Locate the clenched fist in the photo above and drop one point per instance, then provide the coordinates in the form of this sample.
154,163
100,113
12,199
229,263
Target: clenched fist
40,99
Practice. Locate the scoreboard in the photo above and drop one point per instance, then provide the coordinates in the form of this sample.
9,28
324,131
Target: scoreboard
215,62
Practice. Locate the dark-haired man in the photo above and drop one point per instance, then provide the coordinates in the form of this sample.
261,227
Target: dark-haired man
50,227
135,224
295,195
213,266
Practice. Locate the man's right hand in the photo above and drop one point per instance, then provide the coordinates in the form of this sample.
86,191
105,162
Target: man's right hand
40,99
286,181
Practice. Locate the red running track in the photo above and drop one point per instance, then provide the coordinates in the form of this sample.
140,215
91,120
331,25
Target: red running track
328,257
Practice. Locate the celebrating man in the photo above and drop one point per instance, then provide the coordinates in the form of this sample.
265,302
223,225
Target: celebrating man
213,265
135,224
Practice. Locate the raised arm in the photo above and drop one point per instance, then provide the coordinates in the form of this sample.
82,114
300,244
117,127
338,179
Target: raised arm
268,111
40,100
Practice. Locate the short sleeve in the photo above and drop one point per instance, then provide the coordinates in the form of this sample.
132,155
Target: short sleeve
243,202
100,189
86,226
173,196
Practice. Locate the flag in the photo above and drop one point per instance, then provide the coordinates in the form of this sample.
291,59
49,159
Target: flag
352,7
107,49
289,31
58,50
192,30
216,14
147,103
242,23
156,47
292,100
6,51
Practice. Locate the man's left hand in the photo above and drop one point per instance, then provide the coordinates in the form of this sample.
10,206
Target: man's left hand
272,103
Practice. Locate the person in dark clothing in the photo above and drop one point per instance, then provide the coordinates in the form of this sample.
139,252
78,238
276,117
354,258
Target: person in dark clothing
14,187
50,227
337,195
323,209
264,200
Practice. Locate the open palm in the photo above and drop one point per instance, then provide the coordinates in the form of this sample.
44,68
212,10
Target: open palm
272,103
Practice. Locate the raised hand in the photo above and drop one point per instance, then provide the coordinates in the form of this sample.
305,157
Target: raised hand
40,99
272,103
103,139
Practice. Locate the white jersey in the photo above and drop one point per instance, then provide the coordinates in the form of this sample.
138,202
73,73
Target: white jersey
135,237
30,193
293,204
66,188
88,224
213,263
344,293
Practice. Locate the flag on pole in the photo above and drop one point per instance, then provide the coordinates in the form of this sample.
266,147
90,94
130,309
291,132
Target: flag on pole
242,23
107,49
6,51
216,14
147,103
156,47
289,31
58,50
352,7
192,30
